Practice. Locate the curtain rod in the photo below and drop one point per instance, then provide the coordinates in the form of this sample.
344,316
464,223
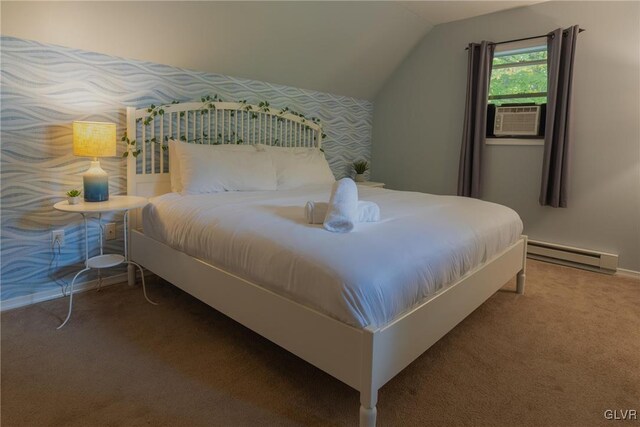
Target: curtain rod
524,38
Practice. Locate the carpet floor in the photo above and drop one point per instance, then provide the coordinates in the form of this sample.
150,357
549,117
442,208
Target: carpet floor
560,355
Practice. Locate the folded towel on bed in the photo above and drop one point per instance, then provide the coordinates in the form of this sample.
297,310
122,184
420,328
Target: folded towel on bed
342,212
316,211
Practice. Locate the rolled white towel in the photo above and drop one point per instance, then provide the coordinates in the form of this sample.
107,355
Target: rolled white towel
342,212
316,211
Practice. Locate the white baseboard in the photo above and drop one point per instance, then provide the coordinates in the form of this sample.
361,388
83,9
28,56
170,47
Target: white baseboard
50,294
631,274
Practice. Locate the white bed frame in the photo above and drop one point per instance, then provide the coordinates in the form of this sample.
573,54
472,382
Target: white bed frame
364,359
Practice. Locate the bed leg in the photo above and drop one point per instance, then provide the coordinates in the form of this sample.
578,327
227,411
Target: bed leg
131,275
520,279
368,416
368,388
368,411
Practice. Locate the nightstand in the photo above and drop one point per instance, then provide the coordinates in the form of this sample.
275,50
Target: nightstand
371,184
90,210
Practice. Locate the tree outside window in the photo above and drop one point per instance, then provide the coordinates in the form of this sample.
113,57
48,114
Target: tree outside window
519,76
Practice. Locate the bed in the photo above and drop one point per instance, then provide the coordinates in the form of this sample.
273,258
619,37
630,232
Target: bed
359,306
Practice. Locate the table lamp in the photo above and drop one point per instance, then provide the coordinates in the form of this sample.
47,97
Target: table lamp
94,139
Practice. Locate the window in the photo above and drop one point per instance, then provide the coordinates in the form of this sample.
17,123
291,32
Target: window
519,76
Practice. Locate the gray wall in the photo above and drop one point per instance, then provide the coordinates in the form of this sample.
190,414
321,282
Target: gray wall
418,125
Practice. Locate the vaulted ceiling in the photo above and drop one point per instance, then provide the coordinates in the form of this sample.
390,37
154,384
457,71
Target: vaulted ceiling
345,48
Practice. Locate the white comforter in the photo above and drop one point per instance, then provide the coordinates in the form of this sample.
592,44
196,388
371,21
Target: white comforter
367,277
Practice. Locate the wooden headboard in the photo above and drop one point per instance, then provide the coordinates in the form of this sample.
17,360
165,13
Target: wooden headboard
205,122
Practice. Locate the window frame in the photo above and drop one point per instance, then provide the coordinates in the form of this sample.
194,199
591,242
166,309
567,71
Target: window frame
514,48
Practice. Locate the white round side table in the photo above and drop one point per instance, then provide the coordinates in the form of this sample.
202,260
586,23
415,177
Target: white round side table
88,210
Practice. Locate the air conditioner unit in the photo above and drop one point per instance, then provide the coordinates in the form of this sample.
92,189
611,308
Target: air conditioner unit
517,120
573,257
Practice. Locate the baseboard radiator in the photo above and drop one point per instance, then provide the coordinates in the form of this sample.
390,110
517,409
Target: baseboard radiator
573,257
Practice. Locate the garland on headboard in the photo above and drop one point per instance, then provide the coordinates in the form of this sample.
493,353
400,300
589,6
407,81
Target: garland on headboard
208,104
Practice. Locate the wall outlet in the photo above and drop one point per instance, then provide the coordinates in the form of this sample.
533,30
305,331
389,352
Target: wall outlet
57,238
110,231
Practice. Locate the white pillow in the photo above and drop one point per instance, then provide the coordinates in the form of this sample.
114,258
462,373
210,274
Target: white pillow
174,161
203,170
300,169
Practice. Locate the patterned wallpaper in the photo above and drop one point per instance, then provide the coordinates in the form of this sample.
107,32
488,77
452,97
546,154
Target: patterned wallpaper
45,88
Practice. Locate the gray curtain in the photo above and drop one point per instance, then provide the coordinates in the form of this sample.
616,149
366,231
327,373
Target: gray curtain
475,119
561,47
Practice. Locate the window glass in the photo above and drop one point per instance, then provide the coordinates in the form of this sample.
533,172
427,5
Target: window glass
519,76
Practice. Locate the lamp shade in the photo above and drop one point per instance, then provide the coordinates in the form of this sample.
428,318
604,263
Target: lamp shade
94,139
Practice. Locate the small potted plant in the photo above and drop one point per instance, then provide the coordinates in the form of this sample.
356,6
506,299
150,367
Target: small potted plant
360,167
73,196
